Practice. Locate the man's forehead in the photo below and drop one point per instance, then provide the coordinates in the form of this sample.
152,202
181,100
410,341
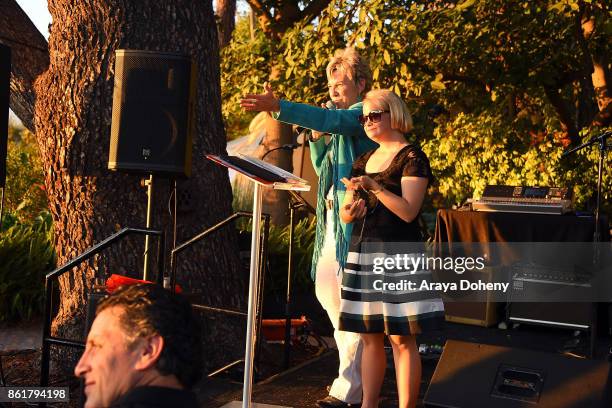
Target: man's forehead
106,322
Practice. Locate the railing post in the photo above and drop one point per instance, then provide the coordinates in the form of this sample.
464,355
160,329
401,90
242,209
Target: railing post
46,347
161,246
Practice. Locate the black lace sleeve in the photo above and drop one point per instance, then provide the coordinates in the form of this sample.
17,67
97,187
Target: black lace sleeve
416,164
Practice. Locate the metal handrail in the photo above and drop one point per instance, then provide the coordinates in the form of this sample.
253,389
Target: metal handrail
47,339
263,255
175,251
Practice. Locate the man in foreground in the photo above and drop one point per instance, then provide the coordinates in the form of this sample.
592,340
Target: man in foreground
144,349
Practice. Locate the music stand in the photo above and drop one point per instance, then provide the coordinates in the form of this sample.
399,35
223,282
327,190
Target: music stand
263,175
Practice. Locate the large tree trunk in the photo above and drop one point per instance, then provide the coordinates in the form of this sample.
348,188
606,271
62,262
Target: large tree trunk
88,202
226,20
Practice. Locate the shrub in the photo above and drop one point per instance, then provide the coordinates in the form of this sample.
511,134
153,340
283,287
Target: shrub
471,151
25,195
26,254
278,252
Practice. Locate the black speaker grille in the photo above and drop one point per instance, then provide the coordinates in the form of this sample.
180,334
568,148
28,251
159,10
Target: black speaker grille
152,113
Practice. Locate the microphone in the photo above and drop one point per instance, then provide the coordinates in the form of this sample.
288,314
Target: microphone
330,105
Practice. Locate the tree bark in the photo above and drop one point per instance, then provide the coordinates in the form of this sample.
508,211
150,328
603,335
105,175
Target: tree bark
598,70
563,112
30,58
276,17
602,93
226,20
88,202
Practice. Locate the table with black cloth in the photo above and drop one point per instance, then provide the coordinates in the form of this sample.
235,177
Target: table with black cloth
453,226
481,226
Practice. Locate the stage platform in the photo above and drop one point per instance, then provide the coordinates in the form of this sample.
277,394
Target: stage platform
301,386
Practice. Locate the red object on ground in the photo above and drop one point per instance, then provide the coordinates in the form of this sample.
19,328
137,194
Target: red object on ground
114,282
274,329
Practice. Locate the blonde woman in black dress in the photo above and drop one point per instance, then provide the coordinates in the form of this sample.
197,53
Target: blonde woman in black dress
393,179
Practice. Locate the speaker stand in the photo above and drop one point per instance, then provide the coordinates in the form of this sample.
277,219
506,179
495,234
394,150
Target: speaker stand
149,184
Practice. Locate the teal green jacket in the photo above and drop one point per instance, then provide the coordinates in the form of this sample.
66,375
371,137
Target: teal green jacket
331,161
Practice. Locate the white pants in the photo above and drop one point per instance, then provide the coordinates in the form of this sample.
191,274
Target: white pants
347,387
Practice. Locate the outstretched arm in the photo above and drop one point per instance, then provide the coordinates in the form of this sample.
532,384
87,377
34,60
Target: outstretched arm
265,102
339,121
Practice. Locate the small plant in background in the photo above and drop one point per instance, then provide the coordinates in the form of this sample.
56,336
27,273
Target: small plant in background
26,254
26,236
25,195
278,256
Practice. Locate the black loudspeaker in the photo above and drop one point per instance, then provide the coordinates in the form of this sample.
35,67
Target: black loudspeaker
475,308
153,113
5,77
471,375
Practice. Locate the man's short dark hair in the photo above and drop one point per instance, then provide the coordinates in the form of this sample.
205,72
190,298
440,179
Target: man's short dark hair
149,310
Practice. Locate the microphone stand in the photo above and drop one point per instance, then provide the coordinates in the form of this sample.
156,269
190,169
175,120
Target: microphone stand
601,141
296,201
290,147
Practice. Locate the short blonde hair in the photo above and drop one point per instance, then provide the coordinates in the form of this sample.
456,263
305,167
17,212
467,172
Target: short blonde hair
387,100
351,63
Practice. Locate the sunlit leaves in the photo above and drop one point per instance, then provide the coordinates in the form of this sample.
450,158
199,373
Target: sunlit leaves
465,4
483,62
437,83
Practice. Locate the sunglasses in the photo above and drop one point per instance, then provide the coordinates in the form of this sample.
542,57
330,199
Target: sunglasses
374,116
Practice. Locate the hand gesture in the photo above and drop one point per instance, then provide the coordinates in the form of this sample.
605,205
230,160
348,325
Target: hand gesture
265,102
355,210
363,182
349,184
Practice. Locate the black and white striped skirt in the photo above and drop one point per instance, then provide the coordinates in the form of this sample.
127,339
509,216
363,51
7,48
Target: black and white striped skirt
387,300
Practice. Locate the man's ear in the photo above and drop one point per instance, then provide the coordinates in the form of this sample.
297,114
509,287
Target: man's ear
149,352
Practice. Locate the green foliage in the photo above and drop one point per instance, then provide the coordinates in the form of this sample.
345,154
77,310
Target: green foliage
278,255
245,65
278,243
278,250
25,195
26,254
470,152
486,63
